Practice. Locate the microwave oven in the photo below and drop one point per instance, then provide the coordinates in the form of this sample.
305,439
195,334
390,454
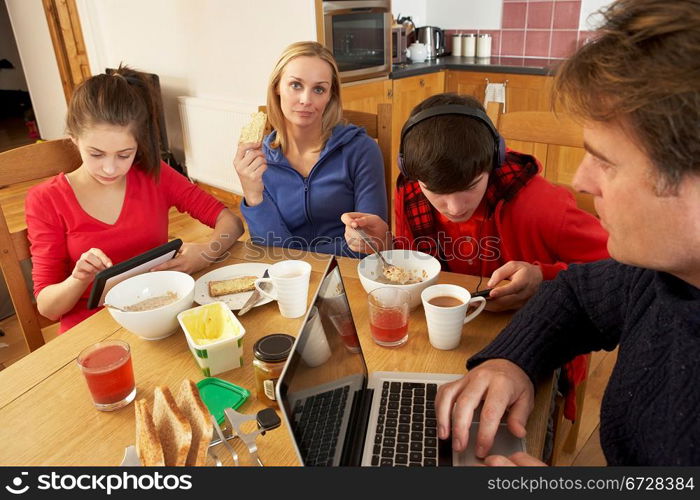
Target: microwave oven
358,32
398,45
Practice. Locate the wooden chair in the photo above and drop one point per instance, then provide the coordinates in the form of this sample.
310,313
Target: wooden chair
23,165
551,138
378,127
554,139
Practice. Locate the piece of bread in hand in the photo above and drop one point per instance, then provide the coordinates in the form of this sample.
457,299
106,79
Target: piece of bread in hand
233,285
173,428
147,442
197,413
254,131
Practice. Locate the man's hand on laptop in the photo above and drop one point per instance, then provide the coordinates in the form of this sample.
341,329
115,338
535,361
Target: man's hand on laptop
502,385
521,459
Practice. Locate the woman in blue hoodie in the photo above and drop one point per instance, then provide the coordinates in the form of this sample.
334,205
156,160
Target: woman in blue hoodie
313,167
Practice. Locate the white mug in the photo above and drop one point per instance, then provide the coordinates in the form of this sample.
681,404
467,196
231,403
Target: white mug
290,283
445,322
316,351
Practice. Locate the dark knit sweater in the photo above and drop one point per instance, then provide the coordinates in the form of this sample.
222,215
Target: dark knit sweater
650,413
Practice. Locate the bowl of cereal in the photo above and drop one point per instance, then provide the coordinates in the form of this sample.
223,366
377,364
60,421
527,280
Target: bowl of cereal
412,271
148,304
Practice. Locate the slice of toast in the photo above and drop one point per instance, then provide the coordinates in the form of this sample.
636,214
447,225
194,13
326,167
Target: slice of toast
173,427
233,285
255,129
191,404
147,442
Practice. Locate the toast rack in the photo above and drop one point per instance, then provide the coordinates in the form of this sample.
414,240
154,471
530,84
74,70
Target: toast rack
266,420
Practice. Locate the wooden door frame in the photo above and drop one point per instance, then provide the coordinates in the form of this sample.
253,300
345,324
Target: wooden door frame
68,44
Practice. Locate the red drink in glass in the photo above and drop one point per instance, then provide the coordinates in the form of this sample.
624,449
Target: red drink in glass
389,326
109,374
388,316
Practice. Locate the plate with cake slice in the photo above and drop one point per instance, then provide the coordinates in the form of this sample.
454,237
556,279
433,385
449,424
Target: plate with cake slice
232,285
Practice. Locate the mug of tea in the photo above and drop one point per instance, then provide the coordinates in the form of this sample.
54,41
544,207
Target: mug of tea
446,313
290,286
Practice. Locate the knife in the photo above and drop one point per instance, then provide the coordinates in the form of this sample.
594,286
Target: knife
253,298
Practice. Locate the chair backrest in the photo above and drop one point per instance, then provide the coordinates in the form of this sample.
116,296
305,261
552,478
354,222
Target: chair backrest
378,127
22,165
555,139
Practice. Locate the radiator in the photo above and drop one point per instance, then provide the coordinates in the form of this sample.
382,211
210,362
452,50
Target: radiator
210,131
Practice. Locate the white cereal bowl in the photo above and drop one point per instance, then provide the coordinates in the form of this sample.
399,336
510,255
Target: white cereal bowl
156,323
370,269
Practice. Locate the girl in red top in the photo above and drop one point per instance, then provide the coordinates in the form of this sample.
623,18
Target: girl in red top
115,205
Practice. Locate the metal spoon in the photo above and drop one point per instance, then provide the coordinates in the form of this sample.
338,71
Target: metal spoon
390,271
116,307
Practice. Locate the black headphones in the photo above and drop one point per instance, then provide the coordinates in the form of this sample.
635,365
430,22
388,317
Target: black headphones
499,153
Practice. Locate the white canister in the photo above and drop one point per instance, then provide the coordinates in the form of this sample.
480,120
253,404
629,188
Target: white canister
469,45
457,44
483,45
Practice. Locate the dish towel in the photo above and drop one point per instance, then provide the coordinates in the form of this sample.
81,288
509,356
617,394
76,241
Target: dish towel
495,92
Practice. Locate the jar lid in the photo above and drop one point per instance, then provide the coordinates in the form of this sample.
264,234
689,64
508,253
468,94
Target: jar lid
273,347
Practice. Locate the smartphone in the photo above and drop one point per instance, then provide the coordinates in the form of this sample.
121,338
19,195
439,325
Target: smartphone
483,293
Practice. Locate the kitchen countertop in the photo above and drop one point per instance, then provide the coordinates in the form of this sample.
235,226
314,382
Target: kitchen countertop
519,65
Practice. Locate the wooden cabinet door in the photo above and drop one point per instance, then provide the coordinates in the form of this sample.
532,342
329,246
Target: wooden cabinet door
365,96
523,92
409,92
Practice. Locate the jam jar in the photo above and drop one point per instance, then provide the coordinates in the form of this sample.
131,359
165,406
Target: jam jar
270,354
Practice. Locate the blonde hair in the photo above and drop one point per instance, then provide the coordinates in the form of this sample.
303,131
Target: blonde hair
332,115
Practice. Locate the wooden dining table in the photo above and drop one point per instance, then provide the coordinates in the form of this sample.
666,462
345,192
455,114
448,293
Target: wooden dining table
46,412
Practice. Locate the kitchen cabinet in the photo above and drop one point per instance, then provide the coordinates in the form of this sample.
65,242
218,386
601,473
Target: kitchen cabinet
523,92
365,96
409,92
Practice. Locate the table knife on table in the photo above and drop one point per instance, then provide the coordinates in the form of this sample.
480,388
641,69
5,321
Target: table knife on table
253,298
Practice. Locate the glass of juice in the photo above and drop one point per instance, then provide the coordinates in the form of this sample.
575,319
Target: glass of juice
388,316
109,374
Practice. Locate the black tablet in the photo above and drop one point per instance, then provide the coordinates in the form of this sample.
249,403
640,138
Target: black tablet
106,279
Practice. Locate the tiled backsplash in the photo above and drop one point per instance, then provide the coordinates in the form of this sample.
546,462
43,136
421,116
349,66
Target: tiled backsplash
534,28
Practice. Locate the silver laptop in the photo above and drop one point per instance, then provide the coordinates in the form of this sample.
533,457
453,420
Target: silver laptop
338,414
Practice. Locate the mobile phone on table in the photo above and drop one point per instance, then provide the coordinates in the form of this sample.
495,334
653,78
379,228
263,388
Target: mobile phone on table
483,293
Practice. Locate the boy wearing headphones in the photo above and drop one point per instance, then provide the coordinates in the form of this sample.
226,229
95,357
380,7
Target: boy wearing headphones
479,208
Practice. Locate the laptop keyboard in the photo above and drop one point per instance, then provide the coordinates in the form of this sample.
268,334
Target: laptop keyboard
406,433
317,419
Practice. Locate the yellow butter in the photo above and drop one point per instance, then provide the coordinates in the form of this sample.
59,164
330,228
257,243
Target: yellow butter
209,324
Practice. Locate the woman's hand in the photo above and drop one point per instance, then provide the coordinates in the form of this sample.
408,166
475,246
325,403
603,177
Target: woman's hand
250,165
89,264
525,279
191,258
375,227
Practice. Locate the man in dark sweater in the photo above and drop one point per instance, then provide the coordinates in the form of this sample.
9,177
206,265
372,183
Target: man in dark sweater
636,89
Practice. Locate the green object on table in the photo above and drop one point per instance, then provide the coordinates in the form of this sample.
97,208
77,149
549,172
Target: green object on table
218,394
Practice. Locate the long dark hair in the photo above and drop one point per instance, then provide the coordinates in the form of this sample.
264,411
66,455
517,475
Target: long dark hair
127,98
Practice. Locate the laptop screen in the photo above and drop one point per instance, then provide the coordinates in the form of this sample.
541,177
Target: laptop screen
322,391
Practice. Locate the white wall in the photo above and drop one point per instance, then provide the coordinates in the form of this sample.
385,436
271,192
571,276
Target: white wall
214,49
452,14
588,21
10,79
39,62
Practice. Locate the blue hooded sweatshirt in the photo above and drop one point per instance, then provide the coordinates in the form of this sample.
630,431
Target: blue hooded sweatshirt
304,212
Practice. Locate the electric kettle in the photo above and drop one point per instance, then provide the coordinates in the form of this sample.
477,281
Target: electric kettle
433,38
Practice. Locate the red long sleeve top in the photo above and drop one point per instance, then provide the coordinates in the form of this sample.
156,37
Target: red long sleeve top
60,230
